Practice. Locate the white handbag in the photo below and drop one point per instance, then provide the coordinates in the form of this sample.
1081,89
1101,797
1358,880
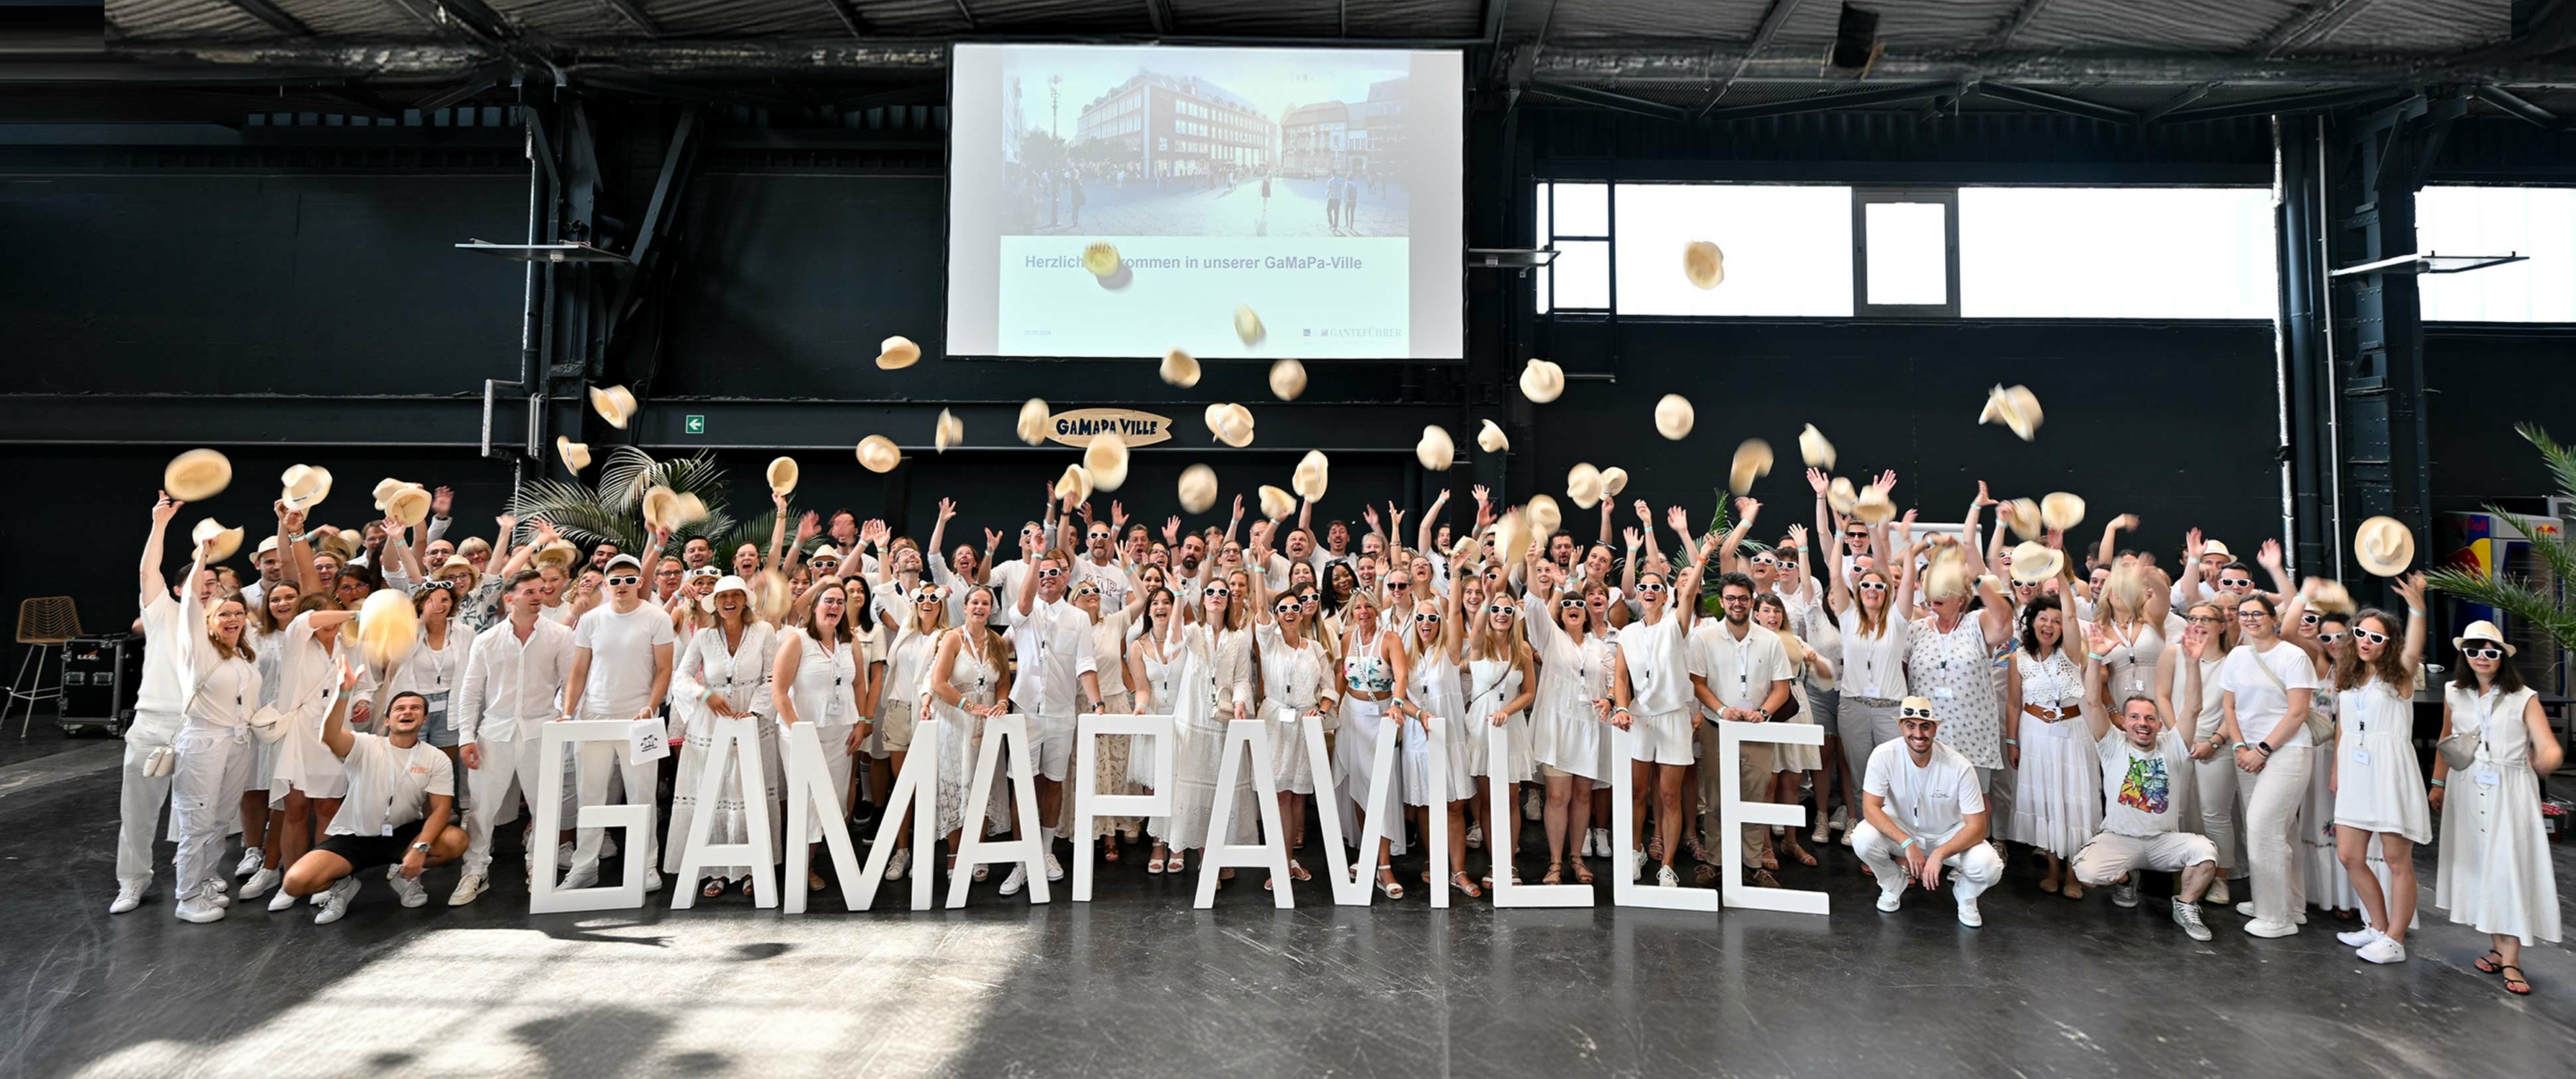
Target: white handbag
162,761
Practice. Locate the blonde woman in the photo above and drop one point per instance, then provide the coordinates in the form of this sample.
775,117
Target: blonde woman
221,684
724,671
1297,683
2192,699
2269,687
1573,746
1214,686
1651,695
1876,637
1433,664
1502,679
969,682
816,679
266,634
897,693
1374,676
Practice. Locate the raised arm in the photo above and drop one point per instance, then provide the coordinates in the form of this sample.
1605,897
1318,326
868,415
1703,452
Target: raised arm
1970,528
1746,508
2411,588
1430,517
149,582
335,727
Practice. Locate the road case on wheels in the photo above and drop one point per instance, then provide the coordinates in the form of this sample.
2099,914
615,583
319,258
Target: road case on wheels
102,676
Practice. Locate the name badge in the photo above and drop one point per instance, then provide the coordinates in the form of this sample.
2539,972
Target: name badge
2488,777
389,831
1872,692
2360,755
2137,685
438,705
1943,693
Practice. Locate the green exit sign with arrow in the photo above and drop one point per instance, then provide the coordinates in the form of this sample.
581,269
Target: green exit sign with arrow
696,425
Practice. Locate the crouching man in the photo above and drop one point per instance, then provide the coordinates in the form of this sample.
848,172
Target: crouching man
401,798
1924,812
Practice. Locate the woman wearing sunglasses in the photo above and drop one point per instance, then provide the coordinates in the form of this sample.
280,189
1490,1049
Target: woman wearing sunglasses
2192,698
1374,674
820,677
897,695
1153,670
969,681
1213,687
2494,872
1651,691
2379,791
723,672
1501,681
1566,727
2269,687
1296,686
1109,658
1860,595
2318,619
1433,661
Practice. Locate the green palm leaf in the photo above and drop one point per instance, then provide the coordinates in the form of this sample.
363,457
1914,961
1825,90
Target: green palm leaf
577,512
624,478
2517,597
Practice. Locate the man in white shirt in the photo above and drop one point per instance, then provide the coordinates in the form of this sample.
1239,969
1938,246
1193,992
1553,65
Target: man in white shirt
621,666
1100,566
1740,674
396,780
272,569
1051,639
158,705
1922,810
513,680
2147,786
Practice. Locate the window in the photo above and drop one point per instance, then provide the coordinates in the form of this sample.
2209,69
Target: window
1576,218
1778,242
2116,252
1906,248
2539,222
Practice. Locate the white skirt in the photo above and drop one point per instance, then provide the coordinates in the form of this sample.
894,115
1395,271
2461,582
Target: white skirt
1289,767
1523,765
2385,795
2057,801
1573,740
305,765
1789,758
1417,745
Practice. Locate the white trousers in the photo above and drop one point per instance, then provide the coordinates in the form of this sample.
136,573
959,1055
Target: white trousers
508,776
1973,870
139,800
597,763
2269,802
2218,780
205,793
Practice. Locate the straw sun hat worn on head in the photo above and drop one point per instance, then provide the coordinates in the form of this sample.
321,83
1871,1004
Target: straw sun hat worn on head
2483,630
197,475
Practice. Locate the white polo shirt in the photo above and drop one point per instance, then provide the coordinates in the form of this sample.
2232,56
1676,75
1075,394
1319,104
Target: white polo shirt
1932,801
389,786
1740,672
1054,648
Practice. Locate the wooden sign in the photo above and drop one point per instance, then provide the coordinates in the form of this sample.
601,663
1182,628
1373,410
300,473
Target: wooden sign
1076,428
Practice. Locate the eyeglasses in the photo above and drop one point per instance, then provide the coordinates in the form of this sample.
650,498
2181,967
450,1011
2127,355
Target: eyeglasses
2366,635
2236,583
2206,620
1872,586
1049,574
1733,600
1913,713
619,582
2487,652
2310,618
2253,615
1425,616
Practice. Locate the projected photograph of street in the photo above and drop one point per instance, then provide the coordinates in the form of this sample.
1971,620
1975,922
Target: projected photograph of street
1136,142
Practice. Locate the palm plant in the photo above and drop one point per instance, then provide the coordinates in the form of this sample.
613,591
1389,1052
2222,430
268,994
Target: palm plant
613,510
2517,597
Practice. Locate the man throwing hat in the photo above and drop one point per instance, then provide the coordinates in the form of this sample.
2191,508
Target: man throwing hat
401,796
1923,811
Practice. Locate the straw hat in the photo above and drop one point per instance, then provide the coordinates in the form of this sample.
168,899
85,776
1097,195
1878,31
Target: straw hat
772,595
724,584
1613,481
659,501
877,453
197,474
1542,381
2034,562
1491,439
1543,517
782,475
574,455
1872,507
2329,597
613,404
2061,510
270,544
1073,485
2482,630
2384,546
1312,473
1101,259
1180,369
1840,496
2213,547
1813,449
1231,424
1276,503
385,488
388,627
947,431
226,540
2016,408
1511,538
1435,450
560,554
304,486
897,353
1198,488
1106,460
409,504
1917,704
1247,325
342,544
1287,379
1703,264
1752,461
2023,515
454,562
1583,485
1674,416
1945,577
687,510
1032,427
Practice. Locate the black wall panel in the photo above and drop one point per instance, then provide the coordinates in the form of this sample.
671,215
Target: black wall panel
2483,382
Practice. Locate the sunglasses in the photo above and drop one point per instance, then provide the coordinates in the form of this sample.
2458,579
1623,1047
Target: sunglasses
1216,590
1425,616
2487,652
1649,587
1397,586
1501,609
2310,618
1914,713
2330,638
1049,574
1765,560
617,582
1871,586
2364,635
2235,582
1568,604
927,599
1285,608
1855,537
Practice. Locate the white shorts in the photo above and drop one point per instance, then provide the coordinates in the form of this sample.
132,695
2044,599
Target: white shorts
1054,735
1664,738
2109,856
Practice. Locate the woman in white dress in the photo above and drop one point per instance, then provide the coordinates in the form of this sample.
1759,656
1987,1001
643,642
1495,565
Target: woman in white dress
723,672
1297,683
2058,803
1153,672
969,682
1373,678
260,828
1213,687
817,679
2494,872
222,691
1651,695
2269,687
1502,679
305,780
1568,725
2189,693
1433,655
1790,763
897,708
1109,761
2379,790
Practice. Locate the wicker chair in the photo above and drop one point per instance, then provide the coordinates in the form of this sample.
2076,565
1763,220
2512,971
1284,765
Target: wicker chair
43,622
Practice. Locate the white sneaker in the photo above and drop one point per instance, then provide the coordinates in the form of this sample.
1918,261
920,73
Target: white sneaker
1475,836
563,855
215,895
1637,865
1968,915
199,910
260,882
335,900
1018,879
280,901
1532,806
408,890
2246,908
579,877
128,897
467,887
1055,869
2217,892
217,885
2358,937
1842,818
2384,950
2261,928
1666,878
652,881
1888,901
250,863
2187,915
1601,842
895,866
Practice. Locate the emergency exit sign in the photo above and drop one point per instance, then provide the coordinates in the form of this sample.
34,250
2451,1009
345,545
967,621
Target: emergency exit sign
696,425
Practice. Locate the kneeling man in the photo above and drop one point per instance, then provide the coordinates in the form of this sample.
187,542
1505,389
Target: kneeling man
396,780
1923,811
2146,777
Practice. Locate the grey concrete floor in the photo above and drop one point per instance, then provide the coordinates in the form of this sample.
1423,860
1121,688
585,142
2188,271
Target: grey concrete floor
1138,984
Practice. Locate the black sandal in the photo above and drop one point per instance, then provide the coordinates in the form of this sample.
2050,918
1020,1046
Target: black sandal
2486,967
2514,979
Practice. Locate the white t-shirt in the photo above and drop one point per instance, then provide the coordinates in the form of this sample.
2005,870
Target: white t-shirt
162,692
1933,800
2142,789
621,657
388,786
1111,580
2260,705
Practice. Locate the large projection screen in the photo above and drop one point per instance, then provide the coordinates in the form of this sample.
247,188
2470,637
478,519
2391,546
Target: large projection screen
1166,154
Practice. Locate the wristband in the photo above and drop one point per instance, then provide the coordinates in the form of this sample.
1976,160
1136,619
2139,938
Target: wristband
2244,745
2415,612
1908,844
2012,741
2441,783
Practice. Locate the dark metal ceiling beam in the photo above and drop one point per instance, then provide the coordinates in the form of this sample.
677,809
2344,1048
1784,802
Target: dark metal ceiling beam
2056,102
966,13
849,17
1659,62
1607,100
459,92
1772,21
1849,99
633,11
2330,99
2316,22
2168,105
2504,99
2019,21
1495,13
1159,13
275,16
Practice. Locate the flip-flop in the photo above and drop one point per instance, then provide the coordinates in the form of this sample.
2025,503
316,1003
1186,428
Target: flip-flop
2496,967
713,888
2514,979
